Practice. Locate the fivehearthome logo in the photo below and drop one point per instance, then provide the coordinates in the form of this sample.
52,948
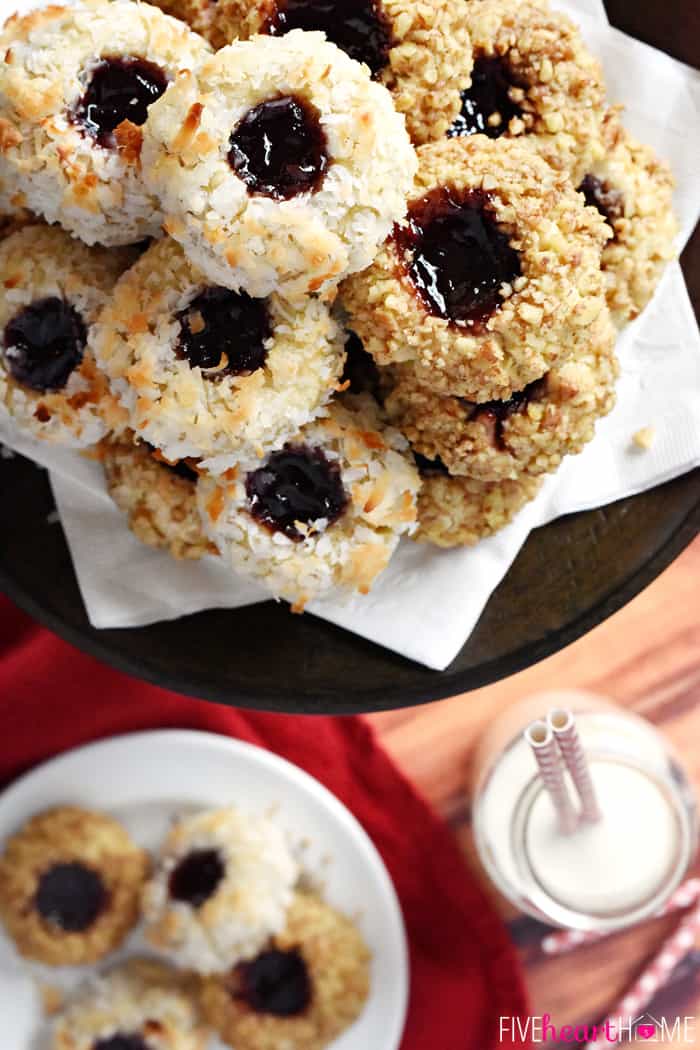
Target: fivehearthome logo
644,1029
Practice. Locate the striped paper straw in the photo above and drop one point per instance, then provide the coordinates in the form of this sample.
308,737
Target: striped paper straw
654,976
563,725
566,940
544,747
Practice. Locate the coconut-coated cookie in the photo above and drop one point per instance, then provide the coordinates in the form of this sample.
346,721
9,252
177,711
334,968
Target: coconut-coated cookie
52,289
142,1005
534,80
322,514
493,278
419,49
221,888
75,89
309,984
159,498
530,433
280,164
70,884
459,512
208,373
633,191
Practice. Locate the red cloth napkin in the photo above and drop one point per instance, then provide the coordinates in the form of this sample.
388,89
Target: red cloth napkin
465,974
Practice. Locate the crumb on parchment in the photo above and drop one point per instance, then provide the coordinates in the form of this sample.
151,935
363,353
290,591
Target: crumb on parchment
645,438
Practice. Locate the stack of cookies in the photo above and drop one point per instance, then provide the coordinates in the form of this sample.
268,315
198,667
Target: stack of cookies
249,951
315,275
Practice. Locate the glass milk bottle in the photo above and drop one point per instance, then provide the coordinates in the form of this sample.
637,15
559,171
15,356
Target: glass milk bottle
604,875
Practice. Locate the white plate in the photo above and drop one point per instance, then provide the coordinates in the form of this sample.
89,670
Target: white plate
144,779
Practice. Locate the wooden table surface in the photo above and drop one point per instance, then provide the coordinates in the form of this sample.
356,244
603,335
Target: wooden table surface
647,658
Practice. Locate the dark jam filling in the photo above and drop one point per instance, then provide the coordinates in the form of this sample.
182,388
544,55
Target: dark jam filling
279,148
118,89
430,468
121,1042
358,27
601,196
221,322
274,983
297,485
457,257
498,412
70,896
360,369
487,108
196,877
44,342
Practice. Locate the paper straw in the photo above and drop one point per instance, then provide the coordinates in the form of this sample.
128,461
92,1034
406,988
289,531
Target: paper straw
544,747
563,725
566,940
654,977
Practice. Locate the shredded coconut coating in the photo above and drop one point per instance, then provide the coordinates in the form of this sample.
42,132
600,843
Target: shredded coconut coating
542,319
262,245
38,262
94,192
428,64
562,92
247,907
643,243
532,437
175,406
337,962
13,211
12,200
141,1000
161,506
68,835
345,555
458,512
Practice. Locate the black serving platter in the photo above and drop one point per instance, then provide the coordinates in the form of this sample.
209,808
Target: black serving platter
568,578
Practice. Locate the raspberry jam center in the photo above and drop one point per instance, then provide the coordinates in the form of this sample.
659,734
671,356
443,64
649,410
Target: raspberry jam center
119,89
275,983
44,342
196,878
457,257
279,148
121,1042
487,106
358,27
70,896
604,198
297,486
224,331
